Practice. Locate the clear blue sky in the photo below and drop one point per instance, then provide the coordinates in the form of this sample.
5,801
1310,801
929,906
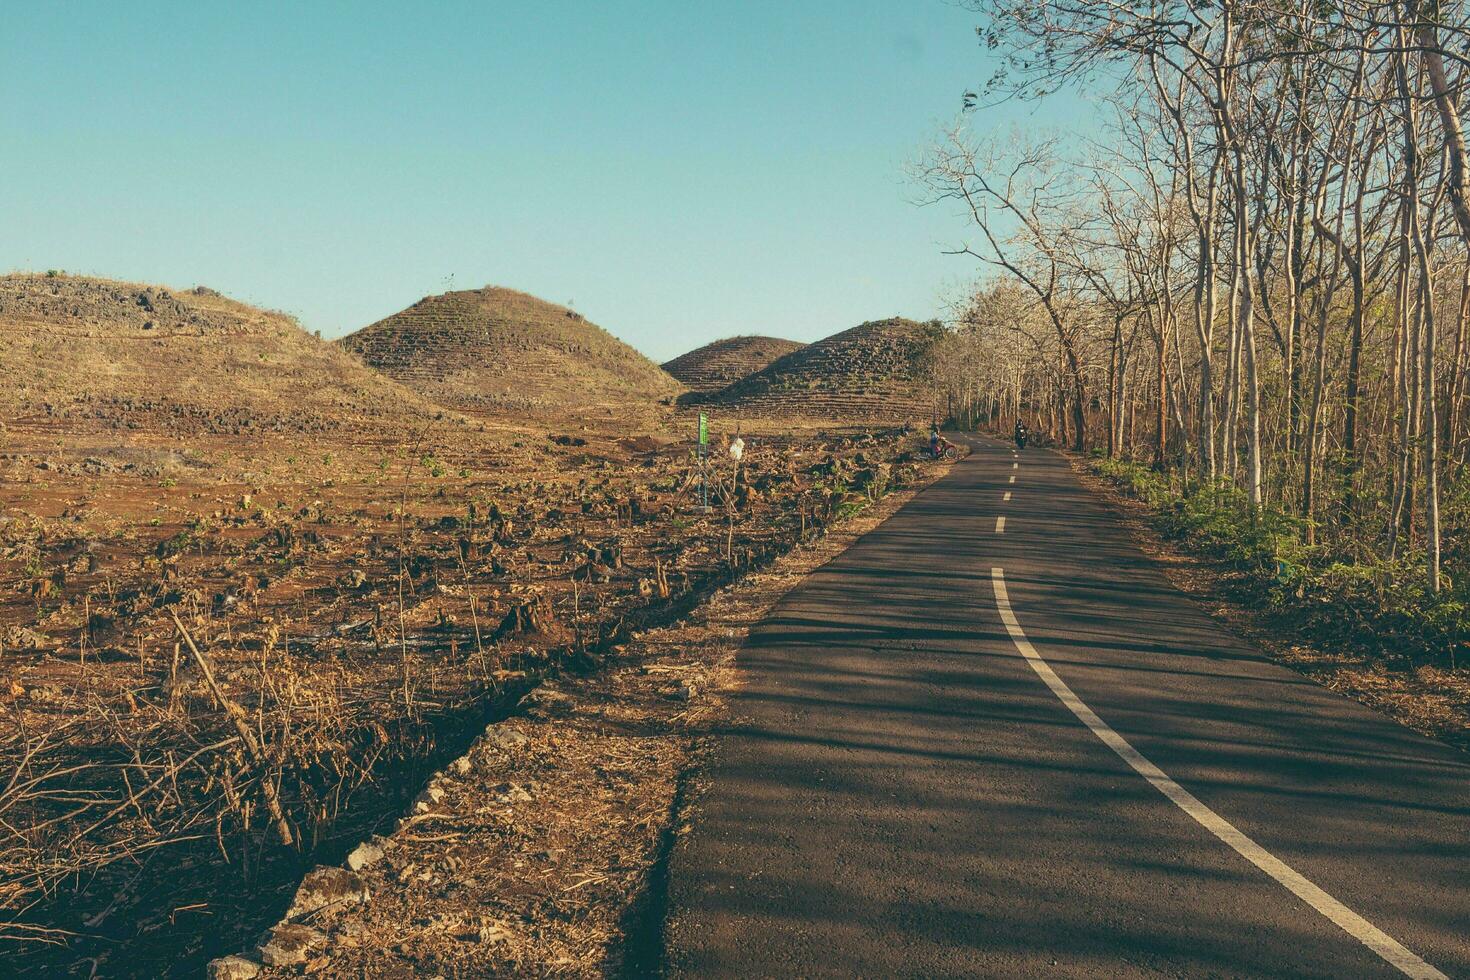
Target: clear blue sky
679,171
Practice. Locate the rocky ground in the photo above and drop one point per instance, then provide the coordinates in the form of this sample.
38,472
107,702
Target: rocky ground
231,661
538,852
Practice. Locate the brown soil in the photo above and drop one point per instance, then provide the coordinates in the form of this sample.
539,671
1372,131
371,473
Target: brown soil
367,605
873,372
1431,699
82,355
724,362
497,350
539,851
253,593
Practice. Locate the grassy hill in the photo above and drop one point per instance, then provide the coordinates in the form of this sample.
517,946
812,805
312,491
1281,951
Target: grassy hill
718,365
90,352
874,372
498,350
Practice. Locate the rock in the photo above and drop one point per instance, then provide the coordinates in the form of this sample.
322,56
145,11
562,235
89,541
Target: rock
21,638
506,739
365,855
289,944
47,694
546,702
682,691
593,572
355,579
233,968
461,766
510,793
495,932
432,794
325,887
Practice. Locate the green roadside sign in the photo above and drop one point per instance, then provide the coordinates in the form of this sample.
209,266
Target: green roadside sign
703,429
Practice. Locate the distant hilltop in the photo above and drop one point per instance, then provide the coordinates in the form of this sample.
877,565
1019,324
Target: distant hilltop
499,350
874,372
718,365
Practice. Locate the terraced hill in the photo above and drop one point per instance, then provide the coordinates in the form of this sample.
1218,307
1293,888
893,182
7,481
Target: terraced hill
498,350
873,372
95,353
724,362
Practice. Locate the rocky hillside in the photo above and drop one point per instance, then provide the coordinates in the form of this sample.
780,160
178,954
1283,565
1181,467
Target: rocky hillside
872,373
498,350
85,352
724,362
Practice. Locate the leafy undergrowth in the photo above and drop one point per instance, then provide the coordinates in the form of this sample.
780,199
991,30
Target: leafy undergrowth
1373,627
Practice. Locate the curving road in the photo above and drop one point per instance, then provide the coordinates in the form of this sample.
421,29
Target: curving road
991,739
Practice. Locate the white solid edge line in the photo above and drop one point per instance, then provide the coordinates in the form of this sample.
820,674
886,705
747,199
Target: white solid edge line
1390,949
1000,525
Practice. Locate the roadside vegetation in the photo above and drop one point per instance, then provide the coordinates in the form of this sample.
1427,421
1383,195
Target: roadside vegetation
1332,585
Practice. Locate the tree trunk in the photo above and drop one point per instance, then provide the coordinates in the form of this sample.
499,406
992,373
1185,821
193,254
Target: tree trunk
1161,437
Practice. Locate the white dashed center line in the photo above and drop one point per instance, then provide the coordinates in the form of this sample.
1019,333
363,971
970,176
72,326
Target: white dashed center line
1345,918
1000,525
1013,478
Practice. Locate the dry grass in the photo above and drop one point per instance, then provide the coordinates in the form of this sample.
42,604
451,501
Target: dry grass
495,350
93,354
872,372
532,855
712,367
364,612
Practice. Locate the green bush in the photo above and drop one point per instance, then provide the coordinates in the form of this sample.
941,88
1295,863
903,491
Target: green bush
1374,601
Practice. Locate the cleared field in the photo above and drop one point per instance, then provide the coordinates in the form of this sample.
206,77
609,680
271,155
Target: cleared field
256,591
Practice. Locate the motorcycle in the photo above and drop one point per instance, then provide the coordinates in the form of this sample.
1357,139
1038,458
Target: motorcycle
1021,436
943,450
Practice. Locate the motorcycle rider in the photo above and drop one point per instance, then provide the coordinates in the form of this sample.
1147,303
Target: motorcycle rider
938,445
1021,434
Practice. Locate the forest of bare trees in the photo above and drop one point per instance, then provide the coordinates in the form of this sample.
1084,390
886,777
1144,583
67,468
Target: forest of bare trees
1253,277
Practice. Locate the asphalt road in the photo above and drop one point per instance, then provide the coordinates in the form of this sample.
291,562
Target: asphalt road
905,792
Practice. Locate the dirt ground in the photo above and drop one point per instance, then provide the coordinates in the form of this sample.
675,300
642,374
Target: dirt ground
362,606
538,852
